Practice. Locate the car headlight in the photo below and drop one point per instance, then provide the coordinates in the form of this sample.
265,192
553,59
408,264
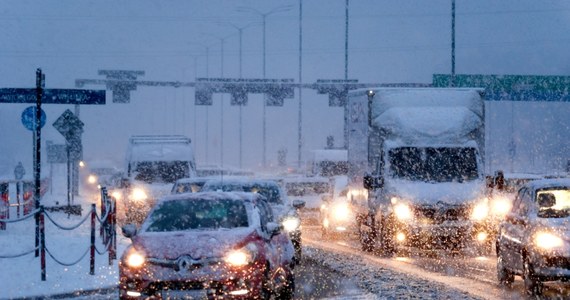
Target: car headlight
480,211
291,223
241,257
403,211
547,240
135,259
92,179
138,194
341,211
501,207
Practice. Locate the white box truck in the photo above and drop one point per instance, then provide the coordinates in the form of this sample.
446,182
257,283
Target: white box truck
420,153
152,164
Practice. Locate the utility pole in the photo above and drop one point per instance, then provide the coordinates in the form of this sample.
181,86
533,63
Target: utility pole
264,17
452,83
300,117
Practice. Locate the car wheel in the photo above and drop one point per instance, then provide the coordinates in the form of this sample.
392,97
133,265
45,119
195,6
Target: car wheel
533,286
298,251
367,237
504,276
288,291
386,238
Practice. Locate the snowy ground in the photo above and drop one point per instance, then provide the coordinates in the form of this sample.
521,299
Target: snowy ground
21,276
382,282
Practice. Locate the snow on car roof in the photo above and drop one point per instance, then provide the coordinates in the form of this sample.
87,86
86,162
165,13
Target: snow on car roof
306,179
547,183
241,181
213,195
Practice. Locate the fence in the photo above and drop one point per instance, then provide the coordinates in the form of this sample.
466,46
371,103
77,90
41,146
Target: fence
106,221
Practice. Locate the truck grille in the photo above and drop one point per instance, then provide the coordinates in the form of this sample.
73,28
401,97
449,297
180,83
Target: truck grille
439,213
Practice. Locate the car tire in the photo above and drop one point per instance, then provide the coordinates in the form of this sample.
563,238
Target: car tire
367,237
298,251
387,238
504,276
532,285
288,291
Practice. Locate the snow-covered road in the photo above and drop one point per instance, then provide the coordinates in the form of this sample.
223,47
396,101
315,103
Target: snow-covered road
437,276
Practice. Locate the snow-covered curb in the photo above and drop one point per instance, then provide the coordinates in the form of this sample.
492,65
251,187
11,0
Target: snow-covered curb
382,282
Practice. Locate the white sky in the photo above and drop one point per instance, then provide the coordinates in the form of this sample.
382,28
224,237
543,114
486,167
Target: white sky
389,41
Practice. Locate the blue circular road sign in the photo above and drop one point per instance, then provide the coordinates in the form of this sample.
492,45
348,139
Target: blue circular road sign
29,118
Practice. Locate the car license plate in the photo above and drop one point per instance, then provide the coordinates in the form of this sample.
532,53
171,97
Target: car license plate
184,295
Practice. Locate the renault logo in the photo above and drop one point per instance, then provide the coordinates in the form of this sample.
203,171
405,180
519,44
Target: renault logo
184,263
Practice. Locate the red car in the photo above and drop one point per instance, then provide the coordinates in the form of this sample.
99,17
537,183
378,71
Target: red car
207,245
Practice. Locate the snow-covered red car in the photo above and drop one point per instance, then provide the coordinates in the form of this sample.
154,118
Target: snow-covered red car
207,245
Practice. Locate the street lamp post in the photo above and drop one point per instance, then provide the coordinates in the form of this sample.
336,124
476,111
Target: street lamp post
264,17
240,32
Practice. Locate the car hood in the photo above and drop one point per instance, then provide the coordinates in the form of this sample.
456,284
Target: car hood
198,244
431,193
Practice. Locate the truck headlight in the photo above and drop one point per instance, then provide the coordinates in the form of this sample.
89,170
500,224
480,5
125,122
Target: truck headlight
291,223
403,211
480,211
547,240
138,194
241,257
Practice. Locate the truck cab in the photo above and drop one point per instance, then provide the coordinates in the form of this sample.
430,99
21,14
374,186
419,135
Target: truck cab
420,152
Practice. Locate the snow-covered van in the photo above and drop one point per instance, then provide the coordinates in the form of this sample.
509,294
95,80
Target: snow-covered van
153,164
420,153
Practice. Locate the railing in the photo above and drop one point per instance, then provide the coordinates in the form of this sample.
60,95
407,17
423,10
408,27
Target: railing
106,221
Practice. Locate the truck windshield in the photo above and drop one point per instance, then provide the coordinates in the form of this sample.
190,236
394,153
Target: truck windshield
161,171
433,164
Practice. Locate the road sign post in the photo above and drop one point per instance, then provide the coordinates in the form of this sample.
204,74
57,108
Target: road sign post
71,128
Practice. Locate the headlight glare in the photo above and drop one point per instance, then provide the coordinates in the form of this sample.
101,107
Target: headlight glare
241,257
135,259
403,211
547,240
480,211
341,211
291,224
138,194
501,206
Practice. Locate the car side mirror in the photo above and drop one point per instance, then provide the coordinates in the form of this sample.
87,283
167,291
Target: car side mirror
273,229
298,204
372,182
129,230
546,200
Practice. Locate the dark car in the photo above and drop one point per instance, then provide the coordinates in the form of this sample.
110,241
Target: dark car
285,211
534,239
207,245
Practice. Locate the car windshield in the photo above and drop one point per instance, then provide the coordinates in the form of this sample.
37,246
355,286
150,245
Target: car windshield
300,189
161,171
198,214
433,164
561,207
